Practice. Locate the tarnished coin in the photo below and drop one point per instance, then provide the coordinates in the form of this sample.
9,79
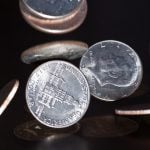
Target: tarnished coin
138,109
59,49
113,70
48,21
34,131
7,94
57,94
107,126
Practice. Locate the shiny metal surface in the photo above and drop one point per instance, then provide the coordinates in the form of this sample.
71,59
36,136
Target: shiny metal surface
34,131
107,126
52,8
56,25
134,110
113,70
59,49
57,94
7,94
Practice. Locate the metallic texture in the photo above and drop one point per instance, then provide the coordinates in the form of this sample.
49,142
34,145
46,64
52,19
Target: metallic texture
34,131
57,24
60,49
113,70
7,94
107,126
134,110
57,94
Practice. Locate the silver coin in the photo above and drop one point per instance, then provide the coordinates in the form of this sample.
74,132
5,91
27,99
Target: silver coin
113,70
52,8
57,94
7,94
57,25
59,49
134,110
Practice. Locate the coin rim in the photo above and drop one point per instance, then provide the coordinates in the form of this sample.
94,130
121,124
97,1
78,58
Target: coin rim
140,75
88,96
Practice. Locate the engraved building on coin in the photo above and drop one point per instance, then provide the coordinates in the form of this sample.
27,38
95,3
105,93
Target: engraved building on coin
57,94
113,70
54,16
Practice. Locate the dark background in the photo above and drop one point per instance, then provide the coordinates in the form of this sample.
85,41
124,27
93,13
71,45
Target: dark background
124,20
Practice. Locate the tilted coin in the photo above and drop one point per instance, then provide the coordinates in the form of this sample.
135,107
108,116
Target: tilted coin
131,110
113,70
59,49
57,94
107,126
47,21
34,131
7,94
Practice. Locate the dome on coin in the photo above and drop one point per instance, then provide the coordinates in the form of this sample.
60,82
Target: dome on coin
113,70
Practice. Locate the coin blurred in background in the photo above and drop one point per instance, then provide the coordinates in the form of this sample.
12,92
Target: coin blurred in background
107,126
57,94
59,49
7,94
131,110
34,131
113,70
56,17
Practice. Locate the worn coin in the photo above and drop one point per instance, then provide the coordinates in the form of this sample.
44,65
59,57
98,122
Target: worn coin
107,126
52,8
7,94
59,49
113,70
56,25
34,131
57,94
131,110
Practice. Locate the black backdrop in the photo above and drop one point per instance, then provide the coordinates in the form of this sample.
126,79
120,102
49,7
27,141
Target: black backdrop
124,20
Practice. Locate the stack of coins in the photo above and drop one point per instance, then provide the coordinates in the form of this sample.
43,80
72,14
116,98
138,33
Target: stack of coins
54,16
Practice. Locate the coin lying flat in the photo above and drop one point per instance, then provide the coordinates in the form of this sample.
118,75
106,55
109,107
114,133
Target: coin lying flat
34,131
57,94
107,126
7,94
60,49
140,109
54,24
113,70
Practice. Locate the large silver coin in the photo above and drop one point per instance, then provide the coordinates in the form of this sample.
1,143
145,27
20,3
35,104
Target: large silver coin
113,70
57,94
59,49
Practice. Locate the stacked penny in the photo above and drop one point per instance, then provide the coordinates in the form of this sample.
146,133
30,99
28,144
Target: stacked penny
53,16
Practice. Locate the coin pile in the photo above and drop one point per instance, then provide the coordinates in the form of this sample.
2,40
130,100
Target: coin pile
54,16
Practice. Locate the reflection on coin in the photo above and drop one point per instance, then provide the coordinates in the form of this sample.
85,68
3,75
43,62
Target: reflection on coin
113,70
141,109
57,94
59,49
34,131
107,126
49,23
7,94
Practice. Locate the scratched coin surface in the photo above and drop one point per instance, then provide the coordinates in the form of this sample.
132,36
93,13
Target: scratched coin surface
113,70
52,8
107,126
56,25
57,94
35,131
59,49
7,94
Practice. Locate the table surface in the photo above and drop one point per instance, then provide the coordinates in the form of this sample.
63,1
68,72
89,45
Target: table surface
124,20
